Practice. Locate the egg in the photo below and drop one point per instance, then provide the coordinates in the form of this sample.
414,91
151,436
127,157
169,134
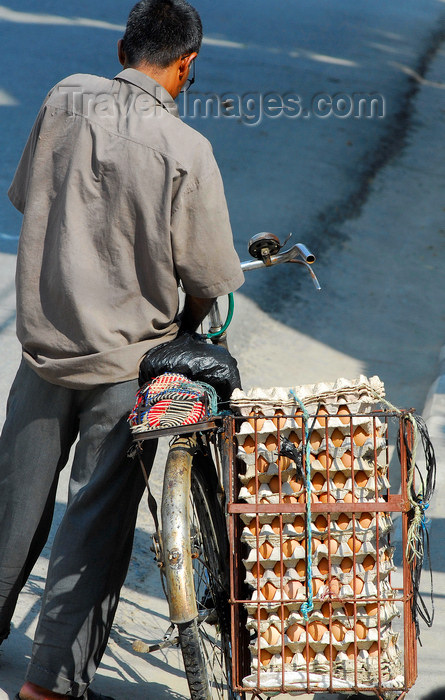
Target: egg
249,445
373,650
360,436
283,613
337,438
291,588
302,498
326,498
360,629
316,630
315,440
354,544
346,565
288,655
289,547
349,609
349,498
361,479
330,653
283,462
266,550
293,437
271,636
269,591
301,567
323,566
350,651
252,486
343,521
298,418
366,519
277,525
326,610
271,443
294,632
274,484
315,544
308,654
290,498
318,481
322,416
320,522
368,563
338,630
339,480
296,485
278,420
254,526
265,657
317,583
257,570
357,585
344,414
332,545
346,458
372,609
277,569
298,524
257,423
262,464
334,587
325,459
264,614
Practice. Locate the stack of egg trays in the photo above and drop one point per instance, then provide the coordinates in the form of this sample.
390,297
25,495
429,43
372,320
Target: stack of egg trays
349,632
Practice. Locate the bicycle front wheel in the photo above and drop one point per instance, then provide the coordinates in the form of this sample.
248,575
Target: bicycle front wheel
205,641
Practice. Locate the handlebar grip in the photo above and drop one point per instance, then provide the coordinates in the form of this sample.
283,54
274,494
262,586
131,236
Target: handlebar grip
306,253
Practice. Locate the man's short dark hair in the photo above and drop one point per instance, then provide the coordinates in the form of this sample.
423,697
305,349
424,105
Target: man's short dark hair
159,32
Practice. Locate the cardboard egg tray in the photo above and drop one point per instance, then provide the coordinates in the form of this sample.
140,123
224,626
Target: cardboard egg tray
349,633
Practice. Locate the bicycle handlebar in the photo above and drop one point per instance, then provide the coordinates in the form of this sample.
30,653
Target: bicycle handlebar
299,250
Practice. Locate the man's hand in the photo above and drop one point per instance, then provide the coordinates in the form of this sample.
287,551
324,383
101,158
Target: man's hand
195,311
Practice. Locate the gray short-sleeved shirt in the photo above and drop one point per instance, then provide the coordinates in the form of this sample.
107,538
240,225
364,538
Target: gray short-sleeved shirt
121,201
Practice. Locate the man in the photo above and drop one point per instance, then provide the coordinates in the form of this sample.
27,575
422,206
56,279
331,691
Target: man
121,202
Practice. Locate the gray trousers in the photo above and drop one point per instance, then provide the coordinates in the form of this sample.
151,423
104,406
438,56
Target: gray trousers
92,547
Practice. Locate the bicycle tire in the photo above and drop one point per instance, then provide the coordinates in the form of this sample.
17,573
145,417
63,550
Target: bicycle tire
205,642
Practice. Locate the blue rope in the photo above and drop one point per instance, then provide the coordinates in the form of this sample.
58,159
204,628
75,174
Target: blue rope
307,606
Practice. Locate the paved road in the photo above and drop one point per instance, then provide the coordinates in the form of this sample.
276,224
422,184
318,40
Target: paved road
379,229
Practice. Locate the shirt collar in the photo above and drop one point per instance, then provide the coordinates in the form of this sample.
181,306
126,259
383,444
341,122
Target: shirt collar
153,88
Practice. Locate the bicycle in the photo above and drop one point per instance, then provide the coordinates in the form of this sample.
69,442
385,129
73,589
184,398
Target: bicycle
191,542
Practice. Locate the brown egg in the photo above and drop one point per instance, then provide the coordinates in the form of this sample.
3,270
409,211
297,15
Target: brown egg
254,526
271,636
316,630
283,462
271,442
346,565
330,653
262,464
308,654
277,569
315,440
326,498
365,519
325,610
278,420
349,609
296,485
347,459
320,522
368,563
317,583
288,655
298,524
338,630
259,422
357,585
266,550
360,629
290,498
274,484
301,567
350,651
372,609
264,614
265,657
249,445
318,481
268,591
291,588
361,479
339,480
344,414
302,498
257,570
294,632
334,587
325,459
349,498
276,525
332,545
354,544
284,613
315,544
322,412
323,566
337,438
343,521
289,547
293,437
298,417
373,649
360,436
252,486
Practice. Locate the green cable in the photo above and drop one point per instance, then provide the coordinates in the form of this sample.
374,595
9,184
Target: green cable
228,320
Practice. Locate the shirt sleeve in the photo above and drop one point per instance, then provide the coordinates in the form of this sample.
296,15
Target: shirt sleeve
18,190
202,240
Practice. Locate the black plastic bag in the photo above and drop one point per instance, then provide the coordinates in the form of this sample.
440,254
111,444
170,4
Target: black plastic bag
191,355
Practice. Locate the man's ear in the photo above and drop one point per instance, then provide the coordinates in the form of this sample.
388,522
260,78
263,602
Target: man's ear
184,64
121,53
